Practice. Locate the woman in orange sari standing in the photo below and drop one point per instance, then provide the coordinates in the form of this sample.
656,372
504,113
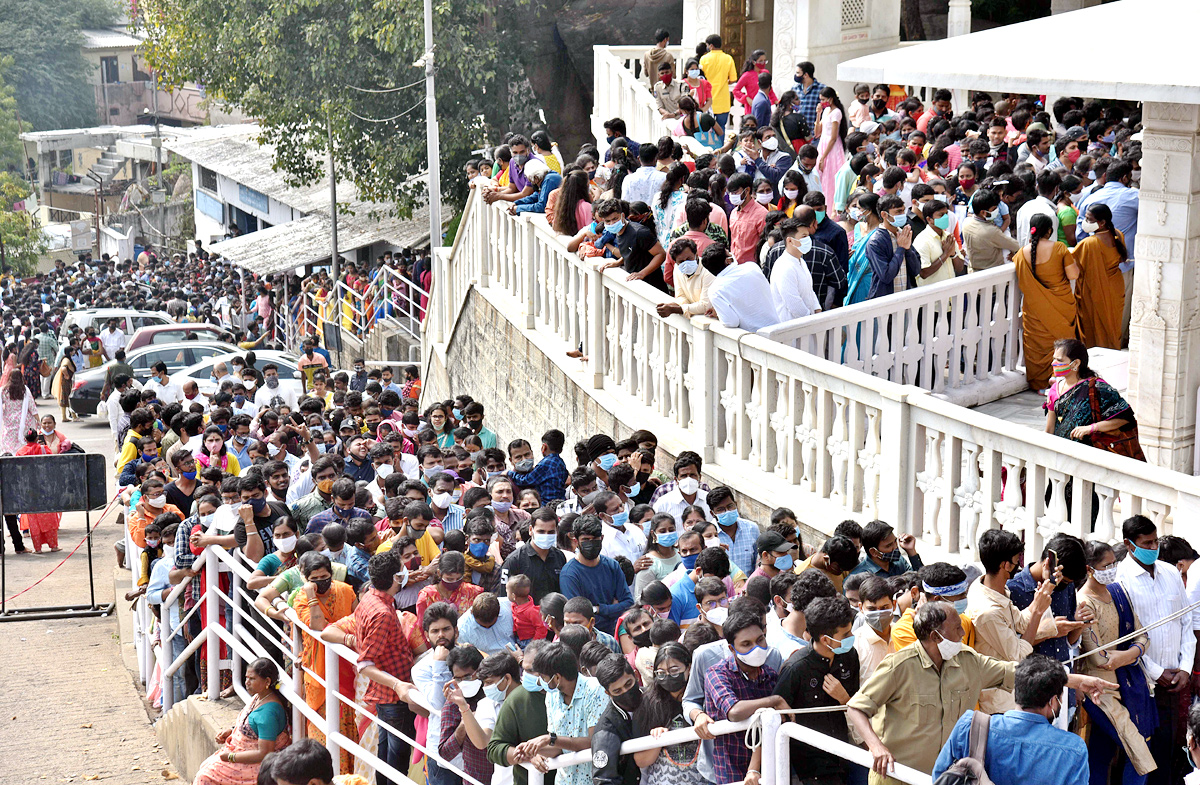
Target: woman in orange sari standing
1045,270
42,526
322,601
1100,290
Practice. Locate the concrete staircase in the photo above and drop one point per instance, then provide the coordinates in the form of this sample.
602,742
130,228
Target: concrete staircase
109,164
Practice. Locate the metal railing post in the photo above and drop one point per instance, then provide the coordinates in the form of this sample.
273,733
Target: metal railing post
333,707
212,610
299,729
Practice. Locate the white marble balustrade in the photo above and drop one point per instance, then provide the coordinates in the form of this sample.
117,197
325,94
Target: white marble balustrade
792,428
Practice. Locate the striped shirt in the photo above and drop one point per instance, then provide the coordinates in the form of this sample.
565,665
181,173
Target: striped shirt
1155,596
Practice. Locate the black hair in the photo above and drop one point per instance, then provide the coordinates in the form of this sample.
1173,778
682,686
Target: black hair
556,659
825,615
1039,680
736,622
810,585
997,546
1135,526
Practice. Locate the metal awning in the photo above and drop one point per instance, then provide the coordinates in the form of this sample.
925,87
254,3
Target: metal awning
306,240
1135,50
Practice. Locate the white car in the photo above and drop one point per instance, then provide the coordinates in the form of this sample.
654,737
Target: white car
201,372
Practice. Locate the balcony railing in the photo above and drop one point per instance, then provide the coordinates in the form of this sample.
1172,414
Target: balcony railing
801,429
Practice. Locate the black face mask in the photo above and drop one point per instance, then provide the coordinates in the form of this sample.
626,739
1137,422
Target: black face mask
671,682
590,549
642,639
323,585
475,425
629,701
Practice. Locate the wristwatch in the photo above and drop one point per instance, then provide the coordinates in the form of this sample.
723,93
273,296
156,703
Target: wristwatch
553,739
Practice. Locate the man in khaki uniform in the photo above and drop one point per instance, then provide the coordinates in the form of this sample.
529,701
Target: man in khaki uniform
908,708
1002,631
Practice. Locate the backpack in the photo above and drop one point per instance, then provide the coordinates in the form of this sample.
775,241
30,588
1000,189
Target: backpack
969,770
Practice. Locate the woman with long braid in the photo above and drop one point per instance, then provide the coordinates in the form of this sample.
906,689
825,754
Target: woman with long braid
1045,270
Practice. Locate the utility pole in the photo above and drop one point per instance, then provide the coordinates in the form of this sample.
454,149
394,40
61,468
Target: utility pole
333,210
431,137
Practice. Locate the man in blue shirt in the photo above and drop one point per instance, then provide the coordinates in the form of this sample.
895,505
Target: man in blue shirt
808,92
883,552
549,476
889,249
1022,745
761,107
596,577
1070,567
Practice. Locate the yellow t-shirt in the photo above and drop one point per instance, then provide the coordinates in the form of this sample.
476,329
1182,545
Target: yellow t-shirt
720,71
902,630
808,565
428,549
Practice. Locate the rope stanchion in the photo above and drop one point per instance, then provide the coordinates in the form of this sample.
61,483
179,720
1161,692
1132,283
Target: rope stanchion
73,551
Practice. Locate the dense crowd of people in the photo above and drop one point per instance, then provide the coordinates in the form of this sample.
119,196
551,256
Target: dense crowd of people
812,204
507,604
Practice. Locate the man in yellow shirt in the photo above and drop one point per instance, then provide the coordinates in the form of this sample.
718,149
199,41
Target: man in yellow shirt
836,558
938,582
720,71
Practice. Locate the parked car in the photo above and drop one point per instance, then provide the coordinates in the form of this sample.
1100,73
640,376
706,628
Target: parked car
85,395
130,321
173,333
201,372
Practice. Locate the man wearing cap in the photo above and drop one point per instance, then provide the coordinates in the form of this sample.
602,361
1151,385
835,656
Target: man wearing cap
1067,149
774,554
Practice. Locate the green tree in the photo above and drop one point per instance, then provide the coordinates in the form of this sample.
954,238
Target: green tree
49,71
311,69
11,154
21,239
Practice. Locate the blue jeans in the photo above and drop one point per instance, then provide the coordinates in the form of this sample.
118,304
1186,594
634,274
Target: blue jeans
722,119
436,775
178,644
392,749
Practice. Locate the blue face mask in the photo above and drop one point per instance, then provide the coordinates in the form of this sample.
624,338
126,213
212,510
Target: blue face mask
616,227
608,461
689,562
1145,555
620,519
667,540
634,489
457,414
530,682
846,645
899,221
478,549
784,562
727,518
493,693
961,605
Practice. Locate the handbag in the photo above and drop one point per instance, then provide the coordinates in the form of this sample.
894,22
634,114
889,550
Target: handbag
1121,442
44,369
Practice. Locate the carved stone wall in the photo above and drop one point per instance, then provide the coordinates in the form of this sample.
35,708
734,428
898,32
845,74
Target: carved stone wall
1164,366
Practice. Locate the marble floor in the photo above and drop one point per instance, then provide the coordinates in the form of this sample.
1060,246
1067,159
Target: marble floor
1025,408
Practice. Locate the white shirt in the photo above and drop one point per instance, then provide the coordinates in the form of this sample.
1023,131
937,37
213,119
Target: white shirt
1154,597
741,296
264,394
167,393
429,676
643,185
780,639
112,341
627,541
1025,215
792,288
674,504
248,408
812,181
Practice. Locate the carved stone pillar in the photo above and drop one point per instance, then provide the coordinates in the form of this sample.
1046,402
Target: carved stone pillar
958,18
1164,335
701,18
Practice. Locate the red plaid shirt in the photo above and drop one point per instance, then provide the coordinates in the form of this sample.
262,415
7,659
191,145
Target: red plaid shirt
475,760
382,642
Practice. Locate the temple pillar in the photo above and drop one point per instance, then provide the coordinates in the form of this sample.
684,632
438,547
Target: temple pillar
1164,342
701,18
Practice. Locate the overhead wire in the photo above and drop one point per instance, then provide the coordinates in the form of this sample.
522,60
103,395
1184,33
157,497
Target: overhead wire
386,119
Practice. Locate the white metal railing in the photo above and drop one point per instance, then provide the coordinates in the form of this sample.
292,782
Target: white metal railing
960,338
391,297
794,428
248,636
620,93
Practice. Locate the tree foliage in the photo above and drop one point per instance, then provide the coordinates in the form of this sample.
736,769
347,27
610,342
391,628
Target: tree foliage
12,156
303,67
21,240
49,72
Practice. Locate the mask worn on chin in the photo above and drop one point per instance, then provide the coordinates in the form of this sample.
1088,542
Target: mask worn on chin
501,506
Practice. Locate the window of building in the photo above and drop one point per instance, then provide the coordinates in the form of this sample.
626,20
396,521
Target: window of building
208,179
854,14
110,72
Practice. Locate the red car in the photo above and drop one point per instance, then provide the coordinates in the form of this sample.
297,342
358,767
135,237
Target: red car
173,333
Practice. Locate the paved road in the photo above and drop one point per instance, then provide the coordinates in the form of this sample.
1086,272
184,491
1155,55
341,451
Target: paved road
70,710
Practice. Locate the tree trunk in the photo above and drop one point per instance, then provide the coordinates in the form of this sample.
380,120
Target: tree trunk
910,13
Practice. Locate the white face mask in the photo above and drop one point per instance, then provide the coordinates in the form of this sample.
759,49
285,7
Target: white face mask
383,470
948,649
1107,575
735,199
689,485
470,688
755,658
717,616
285,544
1089,226
771,144
805,245
688,267
762,198
712,542
441,500
791,193
157,503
